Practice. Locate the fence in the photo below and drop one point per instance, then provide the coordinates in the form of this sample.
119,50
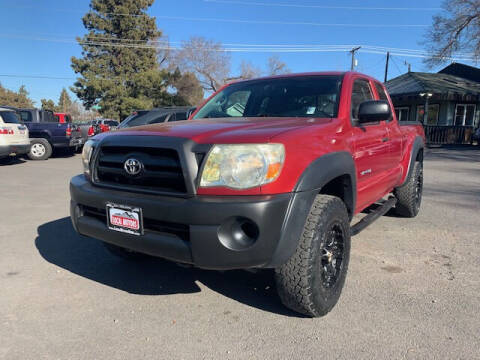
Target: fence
441,135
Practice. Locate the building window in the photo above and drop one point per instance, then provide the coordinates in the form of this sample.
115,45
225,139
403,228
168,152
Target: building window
402,113
464,115
433,111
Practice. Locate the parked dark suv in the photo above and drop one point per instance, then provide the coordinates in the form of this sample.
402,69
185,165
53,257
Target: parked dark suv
158,115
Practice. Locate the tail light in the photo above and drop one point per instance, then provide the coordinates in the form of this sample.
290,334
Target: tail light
6,131
91,131
69,131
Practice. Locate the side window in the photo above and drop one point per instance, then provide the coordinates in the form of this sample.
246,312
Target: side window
26,116
159,119
381,92
181,116
361,92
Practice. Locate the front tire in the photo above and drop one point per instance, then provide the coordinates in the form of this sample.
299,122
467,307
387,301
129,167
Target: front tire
312,279
409,195
40,150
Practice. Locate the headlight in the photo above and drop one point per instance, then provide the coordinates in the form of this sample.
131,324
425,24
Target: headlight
243,166
87,155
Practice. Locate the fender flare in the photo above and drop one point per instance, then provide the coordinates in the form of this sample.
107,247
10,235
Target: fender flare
326,168
319,173
418,144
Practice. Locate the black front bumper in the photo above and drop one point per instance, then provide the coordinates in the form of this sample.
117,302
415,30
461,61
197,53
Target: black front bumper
14,149
207,240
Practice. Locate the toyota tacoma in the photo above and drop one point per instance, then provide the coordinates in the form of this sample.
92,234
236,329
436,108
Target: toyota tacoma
267,173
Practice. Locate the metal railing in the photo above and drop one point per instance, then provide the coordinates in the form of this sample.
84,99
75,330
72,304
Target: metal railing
442,135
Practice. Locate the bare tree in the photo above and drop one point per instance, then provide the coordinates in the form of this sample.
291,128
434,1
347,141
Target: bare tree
456,29
249,71
207,59
277,66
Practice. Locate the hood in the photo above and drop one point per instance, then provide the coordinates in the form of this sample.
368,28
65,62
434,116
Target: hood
223,130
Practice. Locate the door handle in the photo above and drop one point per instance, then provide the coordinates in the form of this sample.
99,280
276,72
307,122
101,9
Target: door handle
385,139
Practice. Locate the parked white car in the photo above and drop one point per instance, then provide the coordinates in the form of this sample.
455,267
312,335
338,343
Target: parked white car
14,139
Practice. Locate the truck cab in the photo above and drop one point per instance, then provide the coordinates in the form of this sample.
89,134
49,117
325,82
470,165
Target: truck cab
48,133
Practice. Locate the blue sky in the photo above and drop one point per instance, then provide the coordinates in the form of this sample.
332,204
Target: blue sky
36,37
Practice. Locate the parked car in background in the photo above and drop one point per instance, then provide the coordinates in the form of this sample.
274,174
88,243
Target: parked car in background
47,134
158,115
104,125
14,138
63,118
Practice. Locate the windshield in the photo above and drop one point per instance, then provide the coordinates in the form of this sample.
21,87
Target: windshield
143,118
299,96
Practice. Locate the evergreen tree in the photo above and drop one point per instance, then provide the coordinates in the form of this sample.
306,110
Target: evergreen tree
48,105
64,102
18,99
119,70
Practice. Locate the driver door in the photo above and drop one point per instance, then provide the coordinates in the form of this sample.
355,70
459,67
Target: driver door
371,149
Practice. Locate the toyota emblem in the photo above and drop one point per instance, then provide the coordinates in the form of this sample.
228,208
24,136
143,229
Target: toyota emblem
133,167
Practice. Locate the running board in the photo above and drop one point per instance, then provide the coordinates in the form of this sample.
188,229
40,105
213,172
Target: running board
370,218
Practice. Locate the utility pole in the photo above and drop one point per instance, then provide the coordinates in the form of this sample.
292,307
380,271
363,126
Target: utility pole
386,67
353,51
409,66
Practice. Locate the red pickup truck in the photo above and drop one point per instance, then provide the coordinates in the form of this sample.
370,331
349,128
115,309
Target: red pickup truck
268,173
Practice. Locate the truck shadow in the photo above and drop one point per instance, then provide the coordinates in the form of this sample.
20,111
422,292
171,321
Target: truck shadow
59,244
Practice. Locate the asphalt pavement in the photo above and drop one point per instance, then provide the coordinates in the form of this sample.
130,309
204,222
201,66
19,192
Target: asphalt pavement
412,291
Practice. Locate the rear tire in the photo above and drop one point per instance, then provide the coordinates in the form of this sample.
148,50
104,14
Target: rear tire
312,279
409,195
40,149
123,253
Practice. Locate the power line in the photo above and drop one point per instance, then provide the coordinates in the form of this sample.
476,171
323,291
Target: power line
36,77
306,23
245,21
250,48
238,2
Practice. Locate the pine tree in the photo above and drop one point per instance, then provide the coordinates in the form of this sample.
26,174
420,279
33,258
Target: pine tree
64,102
48,105
119,70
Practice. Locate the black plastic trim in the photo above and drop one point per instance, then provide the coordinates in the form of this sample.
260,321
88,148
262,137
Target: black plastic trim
204,216
326,168
418,145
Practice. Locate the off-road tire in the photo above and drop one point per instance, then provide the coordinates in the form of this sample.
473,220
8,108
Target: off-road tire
301,281
34,154
409,195
123,253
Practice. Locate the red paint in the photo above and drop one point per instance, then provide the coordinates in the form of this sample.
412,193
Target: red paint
63,118
381,166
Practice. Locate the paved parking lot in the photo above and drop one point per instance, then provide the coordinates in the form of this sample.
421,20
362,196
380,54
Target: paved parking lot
412,290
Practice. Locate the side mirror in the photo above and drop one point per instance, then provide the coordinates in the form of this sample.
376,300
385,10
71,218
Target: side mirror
374,111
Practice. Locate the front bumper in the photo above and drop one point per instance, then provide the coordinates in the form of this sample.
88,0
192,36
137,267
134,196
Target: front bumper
198,230
7,150
69,143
